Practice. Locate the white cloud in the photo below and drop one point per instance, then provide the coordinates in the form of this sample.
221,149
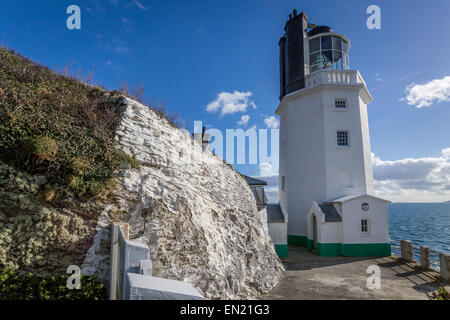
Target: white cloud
424,95
121,50
272,122
139,5
413,180
266,169
229,103
406,180
244,120
269,173
378,78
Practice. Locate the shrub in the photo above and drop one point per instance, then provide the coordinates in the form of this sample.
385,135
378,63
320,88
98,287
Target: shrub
440,294
44,148
16,286
65,127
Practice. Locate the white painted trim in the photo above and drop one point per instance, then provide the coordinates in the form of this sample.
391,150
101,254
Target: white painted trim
356,196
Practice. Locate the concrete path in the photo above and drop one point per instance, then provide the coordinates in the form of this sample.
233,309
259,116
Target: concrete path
309,276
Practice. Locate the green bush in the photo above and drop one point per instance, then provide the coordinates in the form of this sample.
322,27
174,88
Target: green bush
57,126
15,286
42,147
440,294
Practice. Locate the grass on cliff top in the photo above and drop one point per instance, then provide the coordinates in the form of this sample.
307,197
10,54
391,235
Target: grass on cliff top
59,127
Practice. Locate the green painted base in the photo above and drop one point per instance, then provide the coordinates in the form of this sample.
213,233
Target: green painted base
351,250
366,249
299,241
281,250
328,249
309,244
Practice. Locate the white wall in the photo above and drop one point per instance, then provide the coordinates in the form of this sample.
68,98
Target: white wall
352,214
278,233
351,160
302,134
327,232
314,166
330,232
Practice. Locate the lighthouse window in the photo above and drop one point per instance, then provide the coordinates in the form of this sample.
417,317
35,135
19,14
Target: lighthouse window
337,43
314,45
328,52
340,103
326,43
283,183
364,226
337,60
344,45
342,139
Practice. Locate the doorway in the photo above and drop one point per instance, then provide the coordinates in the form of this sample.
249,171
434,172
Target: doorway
314,222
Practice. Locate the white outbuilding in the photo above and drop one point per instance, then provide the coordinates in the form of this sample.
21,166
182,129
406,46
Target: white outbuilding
350,226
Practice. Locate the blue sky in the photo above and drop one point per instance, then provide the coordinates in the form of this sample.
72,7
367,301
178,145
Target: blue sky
185,53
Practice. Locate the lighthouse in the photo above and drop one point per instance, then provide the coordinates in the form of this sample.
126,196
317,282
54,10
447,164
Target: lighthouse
325,169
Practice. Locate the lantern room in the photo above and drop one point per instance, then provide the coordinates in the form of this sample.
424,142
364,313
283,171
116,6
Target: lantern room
327,50
306,48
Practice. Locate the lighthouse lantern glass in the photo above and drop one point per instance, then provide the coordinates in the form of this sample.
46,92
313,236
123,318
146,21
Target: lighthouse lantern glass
328,52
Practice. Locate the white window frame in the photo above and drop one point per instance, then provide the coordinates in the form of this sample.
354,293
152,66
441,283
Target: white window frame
365,226
348,139
336,108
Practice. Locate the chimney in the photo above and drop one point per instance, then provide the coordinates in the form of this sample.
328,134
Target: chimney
292,59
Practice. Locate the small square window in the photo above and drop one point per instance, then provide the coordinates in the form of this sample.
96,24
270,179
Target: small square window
364,226
340,104
343,139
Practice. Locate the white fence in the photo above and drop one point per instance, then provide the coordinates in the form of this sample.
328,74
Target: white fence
333,77
131,273
423,255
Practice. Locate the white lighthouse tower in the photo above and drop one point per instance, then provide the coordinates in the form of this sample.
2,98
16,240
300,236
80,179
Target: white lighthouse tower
326,180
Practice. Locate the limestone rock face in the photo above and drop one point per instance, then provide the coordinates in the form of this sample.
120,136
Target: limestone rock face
197,215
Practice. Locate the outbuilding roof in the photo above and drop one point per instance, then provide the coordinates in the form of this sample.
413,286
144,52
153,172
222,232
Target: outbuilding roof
274,213
254,182
331,215
356,196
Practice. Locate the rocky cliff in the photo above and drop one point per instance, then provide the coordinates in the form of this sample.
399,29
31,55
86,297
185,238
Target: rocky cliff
61,145
197,215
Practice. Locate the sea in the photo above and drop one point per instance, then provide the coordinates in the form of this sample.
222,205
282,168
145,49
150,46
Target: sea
425,224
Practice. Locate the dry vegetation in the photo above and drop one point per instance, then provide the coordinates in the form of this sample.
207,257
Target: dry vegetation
57,158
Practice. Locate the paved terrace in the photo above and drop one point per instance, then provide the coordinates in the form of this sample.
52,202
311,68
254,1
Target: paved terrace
309,276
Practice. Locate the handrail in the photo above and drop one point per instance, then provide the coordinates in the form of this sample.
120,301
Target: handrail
333,77
434,255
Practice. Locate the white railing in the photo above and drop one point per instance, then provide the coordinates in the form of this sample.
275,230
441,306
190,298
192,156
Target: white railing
423,255
333,77
131,273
